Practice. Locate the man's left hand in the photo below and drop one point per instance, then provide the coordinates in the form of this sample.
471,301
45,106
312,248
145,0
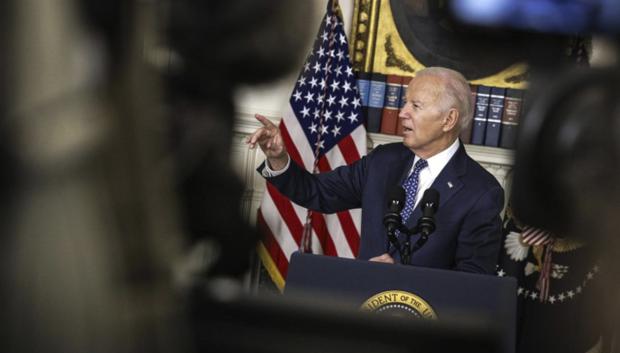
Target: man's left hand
385,258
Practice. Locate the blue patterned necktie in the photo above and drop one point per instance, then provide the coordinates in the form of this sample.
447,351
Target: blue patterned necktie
411,189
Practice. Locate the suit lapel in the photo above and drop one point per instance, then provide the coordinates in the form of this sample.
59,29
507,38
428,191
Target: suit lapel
447,183
398,173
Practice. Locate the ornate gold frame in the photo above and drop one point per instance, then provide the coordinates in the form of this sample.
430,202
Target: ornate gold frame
378,47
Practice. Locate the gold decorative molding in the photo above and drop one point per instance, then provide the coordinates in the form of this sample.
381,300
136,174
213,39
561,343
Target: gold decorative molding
374,24
360,33
392,60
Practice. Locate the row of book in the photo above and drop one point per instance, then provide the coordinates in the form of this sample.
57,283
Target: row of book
496,117
496,112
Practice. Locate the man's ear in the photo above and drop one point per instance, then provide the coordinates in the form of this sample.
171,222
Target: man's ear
451,119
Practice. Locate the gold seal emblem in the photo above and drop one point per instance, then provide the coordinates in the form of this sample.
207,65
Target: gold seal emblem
399,303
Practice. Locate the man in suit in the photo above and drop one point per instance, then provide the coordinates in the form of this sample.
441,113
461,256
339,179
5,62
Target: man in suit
439,106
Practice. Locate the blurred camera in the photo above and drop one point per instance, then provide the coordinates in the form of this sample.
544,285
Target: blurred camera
545,16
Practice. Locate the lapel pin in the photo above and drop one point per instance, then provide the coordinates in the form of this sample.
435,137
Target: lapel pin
450,184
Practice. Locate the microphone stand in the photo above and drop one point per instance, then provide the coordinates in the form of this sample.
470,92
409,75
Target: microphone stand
393,240
407,251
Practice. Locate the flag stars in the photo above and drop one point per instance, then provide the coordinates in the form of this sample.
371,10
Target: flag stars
335,85
316,67
336,131
590,275
325,95
346,86
309,97
328,115
501,273
570,294
305,112
324,129
520,291
340,116
323,84
552,299
352,117
561,297
317,113
578,289
331,100
340,54
534,295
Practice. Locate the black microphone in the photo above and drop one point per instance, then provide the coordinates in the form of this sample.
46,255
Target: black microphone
429,203
392,219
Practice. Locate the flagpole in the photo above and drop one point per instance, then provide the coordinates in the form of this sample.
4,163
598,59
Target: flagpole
306,240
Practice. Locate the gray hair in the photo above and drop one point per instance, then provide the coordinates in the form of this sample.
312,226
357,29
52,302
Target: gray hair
457,92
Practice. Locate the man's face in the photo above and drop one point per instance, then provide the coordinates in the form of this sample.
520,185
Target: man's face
422,116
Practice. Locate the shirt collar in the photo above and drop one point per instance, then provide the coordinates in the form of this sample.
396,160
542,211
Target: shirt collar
437,162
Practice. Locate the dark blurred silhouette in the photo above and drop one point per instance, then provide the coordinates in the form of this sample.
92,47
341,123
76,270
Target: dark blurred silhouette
218,45
116,168
568,151
566,172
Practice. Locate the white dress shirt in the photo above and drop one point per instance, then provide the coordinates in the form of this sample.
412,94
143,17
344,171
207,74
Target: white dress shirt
435,165
270,173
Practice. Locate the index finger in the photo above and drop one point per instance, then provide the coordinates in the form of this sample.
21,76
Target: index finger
266,122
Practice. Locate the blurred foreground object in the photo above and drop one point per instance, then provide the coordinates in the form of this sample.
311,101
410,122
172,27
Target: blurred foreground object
322,324
87,249
102,204
546,16
216,46
568,157
566,173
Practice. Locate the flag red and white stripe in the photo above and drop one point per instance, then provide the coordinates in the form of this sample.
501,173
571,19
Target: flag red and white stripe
322,128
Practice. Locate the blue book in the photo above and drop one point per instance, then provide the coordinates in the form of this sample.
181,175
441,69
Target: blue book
376,99
494,121
363,86
479,124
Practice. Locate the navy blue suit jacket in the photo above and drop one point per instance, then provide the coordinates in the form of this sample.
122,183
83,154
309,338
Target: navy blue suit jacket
468,231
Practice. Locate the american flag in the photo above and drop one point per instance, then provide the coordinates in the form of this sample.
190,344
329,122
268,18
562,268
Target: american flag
322,128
